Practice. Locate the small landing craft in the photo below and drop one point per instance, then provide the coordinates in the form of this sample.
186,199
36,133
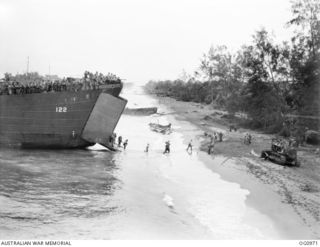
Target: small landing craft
145,111
163,129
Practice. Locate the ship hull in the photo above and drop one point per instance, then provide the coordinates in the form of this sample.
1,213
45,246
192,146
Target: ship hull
47,120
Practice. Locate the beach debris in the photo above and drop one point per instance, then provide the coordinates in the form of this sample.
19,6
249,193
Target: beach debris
228,116
308,188
207,118
216,114
225,161
254,153
312,137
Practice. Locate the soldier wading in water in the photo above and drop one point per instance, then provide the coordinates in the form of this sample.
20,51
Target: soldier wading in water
147,148
125,144
119,141
167,147
189,146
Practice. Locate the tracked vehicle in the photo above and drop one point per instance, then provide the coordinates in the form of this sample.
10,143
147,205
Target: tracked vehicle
281,153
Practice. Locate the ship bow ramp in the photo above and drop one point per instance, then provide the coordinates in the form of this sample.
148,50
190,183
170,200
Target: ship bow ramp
103,119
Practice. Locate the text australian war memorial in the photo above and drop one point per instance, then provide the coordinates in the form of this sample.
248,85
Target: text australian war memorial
36,112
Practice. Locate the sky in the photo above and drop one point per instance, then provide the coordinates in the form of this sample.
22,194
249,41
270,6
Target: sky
138,40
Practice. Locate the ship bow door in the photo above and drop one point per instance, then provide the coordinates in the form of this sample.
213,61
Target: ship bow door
103,119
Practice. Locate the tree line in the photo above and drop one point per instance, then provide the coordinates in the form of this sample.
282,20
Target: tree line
267,81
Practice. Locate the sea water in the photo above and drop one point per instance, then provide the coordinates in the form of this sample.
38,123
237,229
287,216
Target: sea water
130,194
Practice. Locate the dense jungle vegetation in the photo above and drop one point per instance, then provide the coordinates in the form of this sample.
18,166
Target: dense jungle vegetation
267,81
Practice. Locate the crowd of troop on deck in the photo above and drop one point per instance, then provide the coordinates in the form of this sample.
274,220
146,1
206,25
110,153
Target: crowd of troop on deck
89,81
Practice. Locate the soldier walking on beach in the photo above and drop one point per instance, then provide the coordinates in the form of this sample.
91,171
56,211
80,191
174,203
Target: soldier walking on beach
125,144
220,134
189,146
215,134
211,138
247,139
232,127
211,146
167,147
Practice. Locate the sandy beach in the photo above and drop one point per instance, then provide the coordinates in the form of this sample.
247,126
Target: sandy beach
288,195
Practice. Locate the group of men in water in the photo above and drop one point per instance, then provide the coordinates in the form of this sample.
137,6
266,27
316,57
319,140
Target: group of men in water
90,81
113,138
213,138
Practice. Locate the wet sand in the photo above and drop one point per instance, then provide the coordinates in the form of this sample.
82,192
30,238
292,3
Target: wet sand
289,196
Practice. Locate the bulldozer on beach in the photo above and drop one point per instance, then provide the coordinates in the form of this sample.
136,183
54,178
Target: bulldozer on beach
282,152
